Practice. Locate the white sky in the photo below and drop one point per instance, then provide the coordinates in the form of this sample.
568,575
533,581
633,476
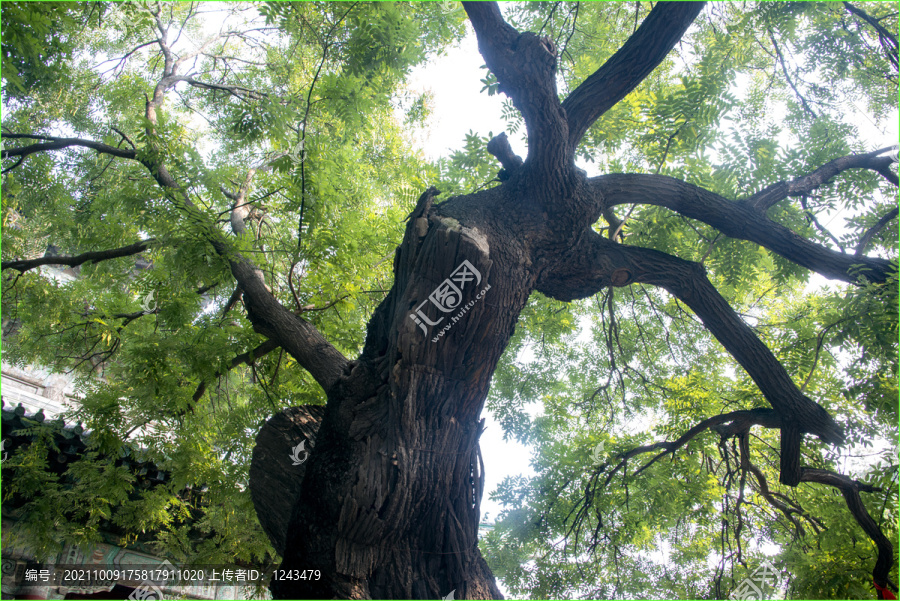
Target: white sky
458,106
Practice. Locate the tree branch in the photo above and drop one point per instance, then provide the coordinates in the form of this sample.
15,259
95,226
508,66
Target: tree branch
629,66
269,317
525,66
688,282
726,424
242,208
851,489
763,488
738,423
88,257
55,143
807,183
244,358
741,220
886,36
236,91
598,263
873,231
780,60
500,148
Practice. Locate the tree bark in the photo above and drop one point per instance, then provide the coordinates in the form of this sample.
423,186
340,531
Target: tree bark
275,477
24,265
389,506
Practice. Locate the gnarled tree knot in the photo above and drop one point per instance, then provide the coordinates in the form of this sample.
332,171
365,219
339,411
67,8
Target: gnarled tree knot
621,277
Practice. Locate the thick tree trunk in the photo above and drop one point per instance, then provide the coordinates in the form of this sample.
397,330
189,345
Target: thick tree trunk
389,506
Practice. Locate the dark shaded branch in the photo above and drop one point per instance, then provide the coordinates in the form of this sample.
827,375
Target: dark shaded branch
763,488
232,300
236,91
88,257
888,40
851,489
730,424
629,66
305,308
598,263
807,183
271,319
688,282
763,485
738,424
873,231
810,216
55,143
500,148
124,137
741,220
243,359
525,66
205,289
820,340
787,77
122,59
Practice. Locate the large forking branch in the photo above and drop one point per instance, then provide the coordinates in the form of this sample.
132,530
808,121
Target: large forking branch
525,67
747,220
599,263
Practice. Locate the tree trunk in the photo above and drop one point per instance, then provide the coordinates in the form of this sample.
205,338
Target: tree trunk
389,506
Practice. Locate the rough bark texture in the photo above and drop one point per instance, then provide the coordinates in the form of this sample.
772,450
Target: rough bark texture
393,509
745,220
